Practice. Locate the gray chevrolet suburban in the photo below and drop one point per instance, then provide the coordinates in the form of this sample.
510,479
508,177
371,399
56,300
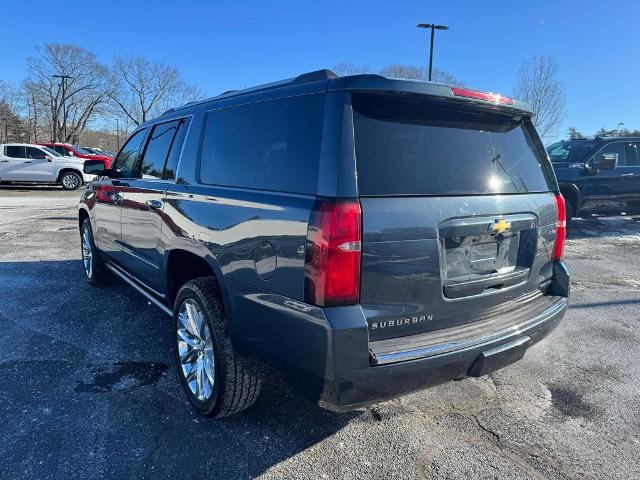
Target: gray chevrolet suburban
372,236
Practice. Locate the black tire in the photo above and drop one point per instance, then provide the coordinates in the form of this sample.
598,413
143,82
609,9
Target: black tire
70,180
235,388
569,209
98,274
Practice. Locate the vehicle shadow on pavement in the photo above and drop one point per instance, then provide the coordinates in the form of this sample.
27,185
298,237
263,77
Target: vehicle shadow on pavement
88,388
606,227
26,187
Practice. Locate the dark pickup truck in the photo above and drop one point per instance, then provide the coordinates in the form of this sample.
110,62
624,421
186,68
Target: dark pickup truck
375,235
598,175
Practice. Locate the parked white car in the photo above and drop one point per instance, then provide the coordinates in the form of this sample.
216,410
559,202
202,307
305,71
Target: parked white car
23,162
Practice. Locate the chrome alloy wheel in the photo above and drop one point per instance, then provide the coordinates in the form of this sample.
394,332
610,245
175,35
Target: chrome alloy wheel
70,181
87,251
195,350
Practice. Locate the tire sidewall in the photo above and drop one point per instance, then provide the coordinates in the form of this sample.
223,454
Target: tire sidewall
64,174
86,224
209,406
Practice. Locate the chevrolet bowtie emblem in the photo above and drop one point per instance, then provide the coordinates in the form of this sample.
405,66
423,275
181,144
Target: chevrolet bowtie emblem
499,226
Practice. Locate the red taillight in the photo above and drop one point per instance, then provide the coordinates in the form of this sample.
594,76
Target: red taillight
332,269
488,97
561,228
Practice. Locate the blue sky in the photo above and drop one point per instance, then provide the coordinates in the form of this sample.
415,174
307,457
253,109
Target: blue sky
224,45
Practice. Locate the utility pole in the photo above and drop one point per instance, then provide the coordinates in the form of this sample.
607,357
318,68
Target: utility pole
63,80
118,132
433,28
619,125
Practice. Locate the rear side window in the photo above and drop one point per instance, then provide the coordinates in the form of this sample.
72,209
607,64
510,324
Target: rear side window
14,151
61,150
410,147
157,150
174,155
273,145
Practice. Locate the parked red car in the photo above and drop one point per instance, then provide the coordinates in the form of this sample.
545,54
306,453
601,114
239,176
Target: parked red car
68,150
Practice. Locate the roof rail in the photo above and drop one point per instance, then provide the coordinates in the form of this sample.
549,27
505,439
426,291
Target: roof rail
314,76
323,74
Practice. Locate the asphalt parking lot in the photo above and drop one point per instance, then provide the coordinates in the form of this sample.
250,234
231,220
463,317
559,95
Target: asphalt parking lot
88,388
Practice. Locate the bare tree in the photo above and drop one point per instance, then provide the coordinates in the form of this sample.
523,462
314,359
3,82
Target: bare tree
349,68
87,89
12,127
144,89
413,72
538,84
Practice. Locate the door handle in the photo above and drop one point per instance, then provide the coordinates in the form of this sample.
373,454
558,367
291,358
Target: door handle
154,204
627,174
28,161
4,161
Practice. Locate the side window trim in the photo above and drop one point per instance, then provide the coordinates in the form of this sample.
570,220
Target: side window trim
150,128
592,159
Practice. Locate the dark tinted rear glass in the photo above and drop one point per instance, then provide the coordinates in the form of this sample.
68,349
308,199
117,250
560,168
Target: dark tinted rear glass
410,147
273,145
576,151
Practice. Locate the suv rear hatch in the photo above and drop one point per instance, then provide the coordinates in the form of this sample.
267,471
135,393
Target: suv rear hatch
458,212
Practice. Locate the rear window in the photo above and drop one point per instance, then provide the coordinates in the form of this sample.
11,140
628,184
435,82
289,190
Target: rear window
577,151
273,145
409,147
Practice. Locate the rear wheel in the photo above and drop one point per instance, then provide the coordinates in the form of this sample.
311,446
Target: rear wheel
213,375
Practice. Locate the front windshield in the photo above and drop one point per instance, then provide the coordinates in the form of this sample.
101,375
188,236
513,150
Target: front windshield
570,151
83,151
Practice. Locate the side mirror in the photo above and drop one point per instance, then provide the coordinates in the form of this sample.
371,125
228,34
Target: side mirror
606,161
48,158
71,154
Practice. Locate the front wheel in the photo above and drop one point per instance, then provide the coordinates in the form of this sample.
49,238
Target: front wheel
94,267
213,375
70,180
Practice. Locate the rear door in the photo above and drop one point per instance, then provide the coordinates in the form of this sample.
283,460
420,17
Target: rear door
143,200
12,163
458,213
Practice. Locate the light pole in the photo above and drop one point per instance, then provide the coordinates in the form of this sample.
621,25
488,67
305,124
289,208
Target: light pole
63,80
433,28
118,133
619,125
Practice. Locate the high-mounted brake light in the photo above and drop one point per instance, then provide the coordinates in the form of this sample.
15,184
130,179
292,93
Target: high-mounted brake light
561,228
332,265
488,97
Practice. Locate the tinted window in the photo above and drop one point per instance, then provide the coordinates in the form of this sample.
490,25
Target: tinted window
14,151
618,147
633,150
272,145
408,147
35,153
573,152
157,150
126,161
62,151
174,155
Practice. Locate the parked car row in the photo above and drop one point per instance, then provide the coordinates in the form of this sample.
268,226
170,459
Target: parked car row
23,162
68,150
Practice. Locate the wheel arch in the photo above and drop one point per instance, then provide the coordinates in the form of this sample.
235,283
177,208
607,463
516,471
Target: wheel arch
181,265
64,170
571,193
